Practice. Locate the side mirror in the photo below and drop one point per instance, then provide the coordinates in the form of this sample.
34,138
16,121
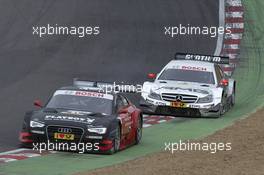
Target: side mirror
152,76
122,111
224,82
38,103
227,75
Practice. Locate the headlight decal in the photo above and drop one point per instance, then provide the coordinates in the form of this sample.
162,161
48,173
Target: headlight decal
154,95
206,99
97,130
34,124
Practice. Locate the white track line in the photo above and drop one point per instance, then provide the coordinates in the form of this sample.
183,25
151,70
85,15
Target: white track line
234,14
231,46
234,36
6,160
234,2
235,25
14,151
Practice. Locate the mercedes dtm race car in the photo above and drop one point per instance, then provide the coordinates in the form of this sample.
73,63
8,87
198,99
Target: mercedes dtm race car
190,85
82,113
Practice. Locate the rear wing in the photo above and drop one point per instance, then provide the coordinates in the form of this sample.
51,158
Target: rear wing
89,84
198,57
106,87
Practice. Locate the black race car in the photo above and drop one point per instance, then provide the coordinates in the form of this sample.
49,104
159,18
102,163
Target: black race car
83,118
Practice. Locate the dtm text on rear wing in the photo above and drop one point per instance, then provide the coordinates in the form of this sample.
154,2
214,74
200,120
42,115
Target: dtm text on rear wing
198,57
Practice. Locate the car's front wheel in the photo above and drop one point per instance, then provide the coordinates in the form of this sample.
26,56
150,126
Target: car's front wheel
139,130
221,108
116,141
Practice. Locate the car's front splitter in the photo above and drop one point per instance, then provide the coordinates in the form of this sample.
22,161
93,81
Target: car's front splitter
211,110
40,142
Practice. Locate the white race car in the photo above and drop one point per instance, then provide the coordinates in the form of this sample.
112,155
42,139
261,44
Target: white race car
191,85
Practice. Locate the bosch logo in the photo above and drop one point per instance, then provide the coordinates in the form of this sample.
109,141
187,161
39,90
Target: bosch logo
65,130
178,98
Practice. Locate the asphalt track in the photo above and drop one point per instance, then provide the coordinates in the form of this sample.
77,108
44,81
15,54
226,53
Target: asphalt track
130,45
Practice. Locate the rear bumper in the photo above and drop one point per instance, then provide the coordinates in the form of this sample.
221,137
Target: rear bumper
193,110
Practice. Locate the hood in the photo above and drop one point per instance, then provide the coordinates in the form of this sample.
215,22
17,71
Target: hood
180,87
71,118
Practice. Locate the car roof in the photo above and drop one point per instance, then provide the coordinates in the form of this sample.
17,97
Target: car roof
175,64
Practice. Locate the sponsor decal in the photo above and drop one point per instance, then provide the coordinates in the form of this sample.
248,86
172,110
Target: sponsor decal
203,58
69,118
95,137
89,94
62,136
194,106
207,58
84,94
194,68
160,103
75,112
178,104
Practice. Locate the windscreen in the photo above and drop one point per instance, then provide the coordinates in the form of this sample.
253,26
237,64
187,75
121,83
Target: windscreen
188,76
82,101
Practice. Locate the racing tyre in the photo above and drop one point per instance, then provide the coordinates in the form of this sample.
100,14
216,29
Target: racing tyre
139,130
116,141
144,107
233,98
221,109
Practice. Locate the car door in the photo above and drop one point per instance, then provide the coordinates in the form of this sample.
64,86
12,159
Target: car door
124,113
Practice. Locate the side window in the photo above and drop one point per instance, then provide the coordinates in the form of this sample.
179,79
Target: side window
219,73
125,102
119,103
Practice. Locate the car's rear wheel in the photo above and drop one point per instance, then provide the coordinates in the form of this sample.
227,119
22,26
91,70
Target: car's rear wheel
116,141
139,130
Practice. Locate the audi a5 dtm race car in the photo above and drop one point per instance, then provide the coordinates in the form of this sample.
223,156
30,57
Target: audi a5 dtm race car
82,113
190,85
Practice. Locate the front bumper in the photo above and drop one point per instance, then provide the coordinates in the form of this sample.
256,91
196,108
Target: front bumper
39,140
159,107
